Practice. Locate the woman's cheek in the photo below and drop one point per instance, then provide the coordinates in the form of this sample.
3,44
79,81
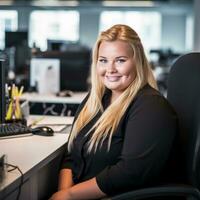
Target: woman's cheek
101,71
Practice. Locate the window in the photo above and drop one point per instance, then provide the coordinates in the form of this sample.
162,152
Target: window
146,24
8,22
55,25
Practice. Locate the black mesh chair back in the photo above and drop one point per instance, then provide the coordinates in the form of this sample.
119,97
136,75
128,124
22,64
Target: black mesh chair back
184,95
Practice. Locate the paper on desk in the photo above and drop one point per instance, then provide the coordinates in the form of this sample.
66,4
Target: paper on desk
55,122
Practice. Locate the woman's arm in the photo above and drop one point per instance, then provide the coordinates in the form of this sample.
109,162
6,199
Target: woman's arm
149,134
86,190
65,179
82,191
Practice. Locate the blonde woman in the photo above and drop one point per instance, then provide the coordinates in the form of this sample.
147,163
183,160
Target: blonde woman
124,129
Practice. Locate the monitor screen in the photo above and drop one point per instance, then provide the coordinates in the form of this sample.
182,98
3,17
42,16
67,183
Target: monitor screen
16,45
45,75
74,68
2,92
17,38
55,45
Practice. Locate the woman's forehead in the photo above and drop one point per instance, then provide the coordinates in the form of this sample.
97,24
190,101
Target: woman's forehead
117,47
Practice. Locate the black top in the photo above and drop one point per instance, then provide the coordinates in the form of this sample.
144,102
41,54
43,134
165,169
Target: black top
139,150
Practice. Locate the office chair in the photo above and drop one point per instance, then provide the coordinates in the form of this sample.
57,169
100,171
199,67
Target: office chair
184,96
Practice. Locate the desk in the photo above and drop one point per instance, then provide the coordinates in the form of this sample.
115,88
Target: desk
38,157
55,122
53,105
76,98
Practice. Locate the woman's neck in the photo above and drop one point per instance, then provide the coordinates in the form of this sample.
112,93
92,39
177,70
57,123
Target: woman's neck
114,96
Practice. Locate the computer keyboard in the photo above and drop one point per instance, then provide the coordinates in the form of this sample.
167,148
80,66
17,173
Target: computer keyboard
10,130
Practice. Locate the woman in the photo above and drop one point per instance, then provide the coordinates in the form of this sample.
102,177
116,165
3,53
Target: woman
124,129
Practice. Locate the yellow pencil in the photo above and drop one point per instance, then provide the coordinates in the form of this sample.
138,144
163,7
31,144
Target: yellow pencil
21,90
36,121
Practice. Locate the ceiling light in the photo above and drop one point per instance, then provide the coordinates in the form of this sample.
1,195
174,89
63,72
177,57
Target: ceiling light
128,3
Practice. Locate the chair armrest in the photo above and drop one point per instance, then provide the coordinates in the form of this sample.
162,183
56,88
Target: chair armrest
185,191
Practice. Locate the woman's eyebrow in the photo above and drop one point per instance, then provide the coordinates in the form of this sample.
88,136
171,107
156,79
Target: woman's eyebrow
118,57
121,57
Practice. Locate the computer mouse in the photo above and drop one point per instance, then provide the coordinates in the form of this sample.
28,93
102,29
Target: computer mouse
43,131
65,93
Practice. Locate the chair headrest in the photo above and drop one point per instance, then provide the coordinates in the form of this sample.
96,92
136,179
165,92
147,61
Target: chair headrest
184,78
184,82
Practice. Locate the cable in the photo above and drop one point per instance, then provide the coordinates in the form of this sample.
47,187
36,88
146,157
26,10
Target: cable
22,177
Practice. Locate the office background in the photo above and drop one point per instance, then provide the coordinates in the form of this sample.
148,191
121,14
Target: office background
66,31
168,28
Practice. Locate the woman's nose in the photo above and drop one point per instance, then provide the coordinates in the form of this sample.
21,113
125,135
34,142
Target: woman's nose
111,67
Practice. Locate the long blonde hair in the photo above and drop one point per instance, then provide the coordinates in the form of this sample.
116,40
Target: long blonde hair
110,118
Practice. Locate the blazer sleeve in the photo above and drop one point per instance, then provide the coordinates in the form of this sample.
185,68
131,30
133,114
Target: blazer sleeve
149,133
67,158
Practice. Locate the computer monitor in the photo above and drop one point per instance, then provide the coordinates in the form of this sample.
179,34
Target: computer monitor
74,67
16,38
16,45
55,45
45,75
63,45
2,92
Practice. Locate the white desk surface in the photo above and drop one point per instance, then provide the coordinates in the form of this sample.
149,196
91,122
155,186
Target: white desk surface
49,119
76,98
28,152
57,122
31,153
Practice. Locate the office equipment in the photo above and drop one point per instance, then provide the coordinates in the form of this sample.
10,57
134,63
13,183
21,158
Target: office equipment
45,75
55,45
184,95
14,107
10,130
16,45
65,93
43,131
16,38
74,67
57,123
2,92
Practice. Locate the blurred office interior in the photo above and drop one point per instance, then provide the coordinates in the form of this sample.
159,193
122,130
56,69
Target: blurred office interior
66,30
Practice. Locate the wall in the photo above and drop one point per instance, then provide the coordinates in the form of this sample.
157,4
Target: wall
89,25
196,44
173,32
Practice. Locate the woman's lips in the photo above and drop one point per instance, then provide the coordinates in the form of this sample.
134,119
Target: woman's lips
113,78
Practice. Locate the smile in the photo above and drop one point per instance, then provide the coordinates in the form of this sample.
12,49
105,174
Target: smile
113,78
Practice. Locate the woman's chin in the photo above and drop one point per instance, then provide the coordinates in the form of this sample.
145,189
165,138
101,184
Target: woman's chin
112,87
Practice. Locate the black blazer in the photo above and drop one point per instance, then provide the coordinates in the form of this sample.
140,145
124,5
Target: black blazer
139,150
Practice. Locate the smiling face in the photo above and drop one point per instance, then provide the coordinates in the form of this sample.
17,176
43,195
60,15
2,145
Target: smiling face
115,65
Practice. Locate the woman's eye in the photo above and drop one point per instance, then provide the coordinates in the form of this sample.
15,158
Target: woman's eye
121,60
102,60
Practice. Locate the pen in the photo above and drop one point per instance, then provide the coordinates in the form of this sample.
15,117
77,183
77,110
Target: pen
36,121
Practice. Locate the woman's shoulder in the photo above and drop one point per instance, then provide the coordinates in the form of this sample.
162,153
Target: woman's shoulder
147,90
149,93
150,97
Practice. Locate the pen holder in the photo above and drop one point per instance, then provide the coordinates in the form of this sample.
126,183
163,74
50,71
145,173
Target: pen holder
14,112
